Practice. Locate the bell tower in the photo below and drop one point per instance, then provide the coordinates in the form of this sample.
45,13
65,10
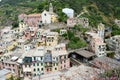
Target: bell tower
50,7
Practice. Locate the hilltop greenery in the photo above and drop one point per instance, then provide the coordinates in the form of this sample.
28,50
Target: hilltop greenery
97,10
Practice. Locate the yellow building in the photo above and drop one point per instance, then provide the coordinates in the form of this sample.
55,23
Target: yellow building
22,25
52,39
12,46
40,43
54,19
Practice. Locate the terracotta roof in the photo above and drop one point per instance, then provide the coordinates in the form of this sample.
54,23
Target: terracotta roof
22,15
33,15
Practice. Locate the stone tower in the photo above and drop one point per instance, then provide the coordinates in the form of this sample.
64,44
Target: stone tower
101,30
51,8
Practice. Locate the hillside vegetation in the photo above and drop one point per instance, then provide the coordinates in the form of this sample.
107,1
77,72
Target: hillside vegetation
97,10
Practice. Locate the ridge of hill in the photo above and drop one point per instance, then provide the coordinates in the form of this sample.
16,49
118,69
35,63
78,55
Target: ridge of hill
98,10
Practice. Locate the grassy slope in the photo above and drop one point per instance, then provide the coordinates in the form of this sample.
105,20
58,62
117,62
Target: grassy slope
98,10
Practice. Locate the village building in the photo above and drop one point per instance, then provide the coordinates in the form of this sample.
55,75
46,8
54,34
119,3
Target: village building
49,16
71,22
31,20
101,30
114,45
52,39
81,72
105,63
63,31
45,60
98,46
6,74
10,61
117,22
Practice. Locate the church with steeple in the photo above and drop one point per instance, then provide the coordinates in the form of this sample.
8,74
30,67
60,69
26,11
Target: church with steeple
49,16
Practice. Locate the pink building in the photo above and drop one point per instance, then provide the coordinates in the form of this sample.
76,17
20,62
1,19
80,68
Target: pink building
28,34
10,65
64,61
98,46
32,20
71,22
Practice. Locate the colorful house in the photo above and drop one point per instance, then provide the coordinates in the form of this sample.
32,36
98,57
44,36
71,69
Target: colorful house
12,46
98,46
52,39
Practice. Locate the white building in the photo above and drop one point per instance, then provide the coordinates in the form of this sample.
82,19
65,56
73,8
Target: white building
117,22
37,59
69,12
63,31
101,30
46,17
114,45
49,16
28,47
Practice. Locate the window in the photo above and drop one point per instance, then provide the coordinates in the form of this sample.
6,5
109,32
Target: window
64,65
13,65
65,57
41,69
54,64
37,64
56,58
34,58
41,58
41,64
19,43
55,68
14,70
38,69
61,67
64,61
33,64
34,74
44,14
34,69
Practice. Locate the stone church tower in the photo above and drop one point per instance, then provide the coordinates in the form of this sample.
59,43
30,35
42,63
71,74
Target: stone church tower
51,8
